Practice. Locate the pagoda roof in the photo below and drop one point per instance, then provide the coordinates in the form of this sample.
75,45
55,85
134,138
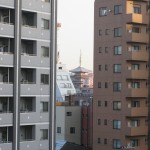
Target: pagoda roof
80,69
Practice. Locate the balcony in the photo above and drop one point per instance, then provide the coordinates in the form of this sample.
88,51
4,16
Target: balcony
7,15
6,105
137,74
132,37
137,55
138,111
6,75
9,3
137,131
137,18
6,135
6,21
27,104
28,47
139,92
27,133
41,5
28,76
29,117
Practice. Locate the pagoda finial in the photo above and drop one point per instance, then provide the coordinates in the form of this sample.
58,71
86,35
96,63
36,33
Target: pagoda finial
80,62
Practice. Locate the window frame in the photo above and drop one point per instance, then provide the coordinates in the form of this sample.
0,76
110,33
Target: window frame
102,11
117,105
117,86
116,143
117,124
117,68
118,32
72,130
118,9
118,50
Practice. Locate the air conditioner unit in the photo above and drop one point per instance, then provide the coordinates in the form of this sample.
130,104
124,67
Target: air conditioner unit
129,85
129,49
129,67
130,31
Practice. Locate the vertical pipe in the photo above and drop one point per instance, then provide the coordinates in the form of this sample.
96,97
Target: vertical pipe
53,52
148,137
16,88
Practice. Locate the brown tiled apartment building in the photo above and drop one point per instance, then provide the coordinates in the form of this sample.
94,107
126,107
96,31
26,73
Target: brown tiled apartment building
121,75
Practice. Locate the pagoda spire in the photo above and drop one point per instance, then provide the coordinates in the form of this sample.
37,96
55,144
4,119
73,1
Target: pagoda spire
80,60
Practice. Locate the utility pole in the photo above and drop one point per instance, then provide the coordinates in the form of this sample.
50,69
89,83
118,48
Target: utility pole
53,53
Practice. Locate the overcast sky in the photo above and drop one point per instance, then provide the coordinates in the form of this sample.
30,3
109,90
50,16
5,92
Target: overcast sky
76,32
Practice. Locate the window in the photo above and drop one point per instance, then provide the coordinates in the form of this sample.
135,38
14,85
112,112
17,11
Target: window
99,84
105,104
58,129
106,49
100,50
72,130
106,67
65,77
44,78
117,9
44,134
137,9
134,142
117,32
135,66
106,31
100,32
68,113
99,67
136,29
116,105
59,77
116,86
118,50
135,103
44,106
105,122
103,11
135,84
116,143
98,140
134,123
44,51
99,103
116,124
105,141
45,24
99,122
117,68
136,47
106,85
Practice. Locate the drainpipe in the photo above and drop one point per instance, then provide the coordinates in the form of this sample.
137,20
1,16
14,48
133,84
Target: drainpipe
53,53
16,85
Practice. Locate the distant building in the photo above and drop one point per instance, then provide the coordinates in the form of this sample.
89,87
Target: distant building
75,112
64,85
68,123
82,79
